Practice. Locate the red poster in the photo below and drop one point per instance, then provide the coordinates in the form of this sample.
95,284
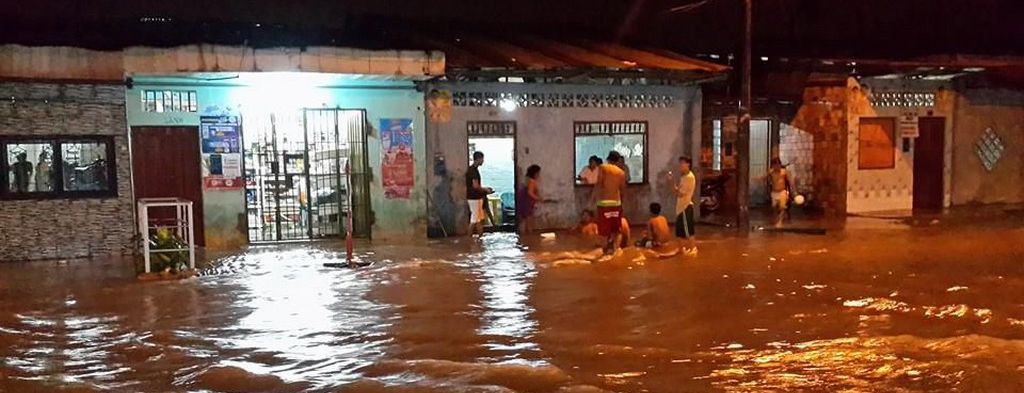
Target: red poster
397,166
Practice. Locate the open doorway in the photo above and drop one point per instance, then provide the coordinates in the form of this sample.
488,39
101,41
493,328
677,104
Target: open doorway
496,139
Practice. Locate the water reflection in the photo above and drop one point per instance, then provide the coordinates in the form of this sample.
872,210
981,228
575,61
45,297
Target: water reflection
505,277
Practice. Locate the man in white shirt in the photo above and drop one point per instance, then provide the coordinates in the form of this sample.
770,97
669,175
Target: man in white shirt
589,173
685,218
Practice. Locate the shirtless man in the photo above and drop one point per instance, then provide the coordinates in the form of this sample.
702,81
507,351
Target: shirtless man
778,181
611,184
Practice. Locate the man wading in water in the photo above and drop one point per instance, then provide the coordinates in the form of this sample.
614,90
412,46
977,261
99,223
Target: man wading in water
611,184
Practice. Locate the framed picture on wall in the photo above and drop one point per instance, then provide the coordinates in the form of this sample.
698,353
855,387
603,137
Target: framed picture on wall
877,143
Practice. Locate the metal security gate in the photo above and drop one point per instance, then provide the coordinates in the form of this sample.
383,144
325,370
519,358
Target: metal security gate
296,184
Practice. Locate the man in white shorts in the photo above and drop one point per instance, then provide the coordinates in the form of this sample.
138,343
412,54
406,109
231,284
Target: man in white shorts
476,195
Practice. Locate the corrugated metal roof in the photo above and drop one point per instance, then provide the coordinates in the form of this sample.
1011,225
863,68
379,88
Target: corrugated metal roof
536,56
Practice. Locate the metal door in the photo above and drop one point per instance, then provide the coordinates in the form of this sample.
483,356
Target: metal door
296,184
336,140
759,149
276,180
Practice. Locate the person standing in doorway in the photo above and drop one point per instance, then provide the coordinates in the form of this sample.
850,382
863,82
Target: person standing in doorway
611,184
527,201
778,181
588,175
476,195
685,217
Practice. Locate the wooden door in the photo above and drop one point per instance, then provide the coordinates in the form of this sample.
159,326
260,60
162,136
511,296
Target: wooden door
165,164
929,150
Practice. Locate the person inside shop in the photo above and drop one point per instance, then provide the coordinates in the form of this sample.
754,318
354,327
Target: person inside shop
625,169
22,170
44,182
588,175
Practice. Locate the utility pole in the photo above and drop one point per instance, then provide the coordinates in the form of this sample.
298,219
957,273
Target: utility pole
743,128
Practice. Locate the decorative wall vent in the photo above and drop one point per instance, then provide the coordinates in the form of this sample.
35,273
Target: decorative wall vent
902,99
563,100
989,149
491,128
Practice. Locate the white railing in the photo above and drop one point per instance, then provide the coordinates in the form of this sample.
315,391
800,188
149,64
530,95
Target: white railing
181,227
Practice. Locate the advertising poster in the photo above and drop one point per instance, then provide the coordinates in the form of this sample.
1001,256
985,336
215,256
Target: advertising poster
220,134
908,125
220,137
397,172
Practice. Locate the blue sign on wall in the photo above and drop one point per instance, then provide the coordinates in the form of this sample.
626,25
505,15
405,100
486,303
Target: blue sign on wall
220,134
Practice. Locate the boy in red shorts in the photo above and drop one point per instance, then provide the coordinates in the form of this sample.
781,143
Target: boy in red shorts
611,183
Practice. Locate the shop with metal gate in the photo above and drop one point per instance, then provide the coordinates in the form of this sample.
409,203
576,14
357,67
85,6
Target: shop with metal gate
293,156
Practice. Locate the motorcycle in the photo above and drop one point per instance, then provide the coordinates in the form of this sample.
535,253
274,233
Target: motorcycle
712,192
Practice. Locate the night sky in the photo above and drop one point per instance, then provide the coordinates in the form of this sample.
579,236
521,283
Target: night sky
799,28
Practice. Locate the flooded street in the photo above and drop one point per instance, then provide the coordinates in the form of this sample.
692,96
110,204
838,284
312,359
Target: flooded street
887,309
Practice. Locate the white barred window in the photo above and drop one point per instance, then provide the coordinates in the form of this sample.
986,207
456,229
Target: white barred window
161,101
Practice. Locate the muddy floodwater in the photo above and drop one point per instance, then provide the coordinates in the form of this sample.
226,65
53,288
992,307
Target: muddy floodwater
886,309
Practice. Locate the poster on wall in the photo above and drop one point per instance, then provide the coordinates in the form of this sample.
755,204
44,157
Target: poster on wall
220,137
908,125
397,172
222,171
220,134
439,106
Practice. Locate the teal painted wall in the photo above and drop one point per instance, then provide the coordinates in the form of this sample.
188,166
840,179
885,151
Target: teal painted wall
224,211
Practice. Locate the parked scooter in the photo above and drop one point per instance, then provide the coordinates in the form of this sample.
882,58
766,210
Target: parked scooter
712,192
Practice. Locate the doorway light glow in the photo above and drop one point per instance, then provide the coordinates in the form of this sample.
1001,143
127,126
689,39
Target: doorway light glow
508,105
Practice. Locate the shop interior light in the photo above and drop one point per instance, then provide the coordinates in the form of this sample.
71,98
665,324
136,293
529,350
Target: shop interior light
281,91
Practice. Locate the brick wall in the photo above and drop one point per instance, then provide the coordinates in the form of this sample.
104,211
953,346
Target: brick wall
67,228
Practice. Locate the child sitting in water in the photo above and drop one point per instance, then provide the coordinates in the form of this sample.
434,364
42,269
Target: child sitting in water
587,226
657,232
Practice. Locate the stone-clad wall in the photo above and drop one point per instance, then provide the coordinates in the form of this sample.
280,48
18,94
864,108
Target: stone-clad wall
796,150
67,228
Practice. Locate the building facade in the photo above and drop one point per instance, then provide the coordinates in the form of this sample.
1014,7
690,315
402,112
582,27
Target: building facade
66,187
314,126
559,127
896,142
290,144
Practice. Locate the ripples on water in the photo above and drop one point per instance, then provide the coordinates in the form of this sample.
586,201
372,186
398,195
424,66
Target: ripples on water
777,314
